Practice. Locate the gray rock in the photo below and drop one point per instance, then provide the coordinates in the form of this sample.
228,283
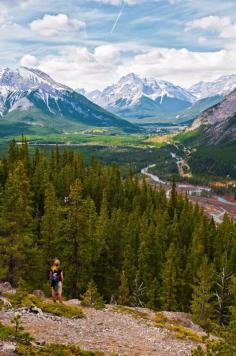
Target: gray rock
5,302
36,310
39,293
6,287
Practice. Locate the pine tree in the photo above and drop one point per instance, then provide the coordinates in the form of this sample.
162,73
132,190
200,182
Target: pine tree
73,231
202,307
123,291
16,226
222,294
169,280
50,230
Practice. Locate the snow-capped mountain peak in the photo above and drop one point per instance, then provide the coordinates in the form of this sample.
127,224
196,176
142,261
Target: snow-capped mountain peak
28,79
221,86
31,95
131,88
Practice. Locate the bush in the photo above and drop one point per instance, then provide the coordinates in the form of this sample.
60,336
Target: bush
56,350
91,298
20,300
10,333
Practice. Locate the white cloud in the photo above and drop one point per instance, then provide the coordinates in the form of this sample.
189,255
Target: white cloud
223,26
79,67
209,23
29,61
54,25
4,16
182,66
120,2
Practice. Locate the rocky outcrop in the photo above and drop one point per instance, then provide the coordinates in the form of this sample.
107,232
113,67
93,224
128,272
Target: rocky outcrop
122,330
218,123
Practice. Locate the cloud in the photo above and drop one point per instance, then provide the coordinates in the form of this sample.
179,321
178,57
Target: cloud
54,25
223,26
80,67
216,23
29,61
4,17
182,66
120,2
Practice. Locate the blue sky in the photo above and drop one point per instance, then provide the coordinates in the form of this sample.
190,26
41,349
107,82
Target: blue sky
92,43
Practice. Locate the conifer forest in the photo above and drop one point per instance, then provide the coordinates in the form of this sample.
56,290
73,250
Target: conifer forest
137,246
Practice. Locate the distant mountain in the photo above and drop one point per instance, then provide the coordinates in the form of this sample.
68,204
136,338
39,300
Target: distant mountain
220,87
29,96
218,124
199,106
136,97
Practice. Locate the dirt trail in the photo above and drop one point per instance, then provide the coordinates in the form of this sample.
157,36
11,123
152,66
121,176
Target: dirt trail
105,330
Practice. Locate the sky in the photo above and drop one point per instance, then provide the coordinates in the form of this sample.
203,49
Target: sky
92,43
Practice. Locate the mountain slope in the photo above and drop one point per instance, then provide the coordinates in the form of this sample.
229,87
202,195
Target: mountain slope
133,96
199,106
218,124
25,91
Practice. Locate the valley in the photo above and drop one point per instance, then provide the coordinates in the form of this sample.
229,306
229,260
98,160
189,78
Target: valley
137,122
215,206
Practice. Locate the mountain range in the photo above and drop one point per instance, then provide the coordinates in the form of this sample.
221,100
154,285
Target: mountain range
136,98
30,98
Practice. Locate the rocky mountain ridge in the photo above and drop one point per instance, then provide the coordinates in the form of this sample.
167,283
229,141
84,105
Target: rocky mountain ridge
24,90
218,122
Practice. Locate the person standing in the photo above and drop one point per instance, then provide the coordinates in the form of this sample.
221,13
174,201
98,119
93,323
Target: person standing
56,279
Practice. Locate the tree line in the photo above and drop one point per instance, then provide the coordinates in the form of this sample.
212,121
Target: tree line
138,247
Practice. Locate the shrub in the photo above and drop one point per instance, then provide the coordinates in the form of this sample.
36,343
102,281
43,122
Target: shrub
91,298
56,350
20,299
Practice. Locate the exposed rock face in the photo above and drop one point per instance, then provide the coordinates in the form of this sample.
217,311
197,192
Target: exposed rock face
219,122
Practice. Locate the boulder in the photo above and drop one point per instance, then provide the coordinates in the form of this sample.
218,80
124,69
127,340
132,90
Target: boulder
39,293
35,310
5,302
75,302
6,287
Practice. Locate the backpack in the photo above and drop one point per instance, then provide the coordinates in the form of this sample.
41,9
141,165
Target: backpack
55,278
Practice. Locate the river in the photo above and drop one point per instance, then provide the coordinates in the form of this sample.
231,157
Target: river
215,206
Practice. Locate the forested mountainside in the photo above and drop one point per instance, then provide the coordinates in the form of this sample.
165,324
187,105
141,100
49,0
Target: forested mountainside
136,245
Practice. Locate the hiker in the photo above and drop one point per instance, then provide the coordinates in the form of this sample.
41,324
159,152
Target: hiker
56,278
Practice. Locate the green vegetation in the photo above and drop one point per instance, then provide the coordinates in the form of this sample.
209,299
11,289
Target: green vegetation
135,313
55,350
134,245
25,348
16,332
91,298
180,331
214,161
22,299
6,332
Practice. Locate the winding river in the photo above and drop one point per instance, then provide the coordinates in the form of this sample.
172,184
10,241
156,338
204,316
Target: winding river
213,204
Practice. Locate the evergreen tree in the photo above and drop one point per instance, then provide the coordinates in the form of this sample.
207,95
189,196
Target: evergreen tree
16,226
50,230
123,291
202,307
169,280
